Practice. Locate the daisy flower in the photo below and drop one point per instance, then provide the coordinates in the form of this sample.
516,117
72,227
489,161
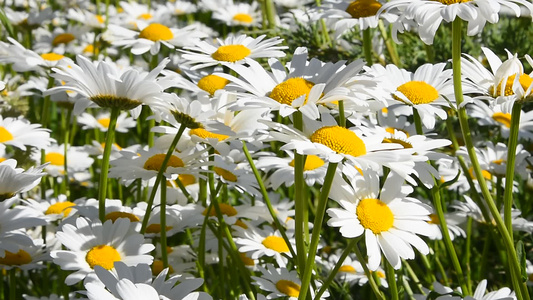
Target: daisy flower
136,282
77,160
54,208
59,41
91,244
264,243
232,50
335,143
101,121
151,36
490,84
352,271
390,220
499,115
27,258
300,85
427,90
479,294
13,218
106,85
15,180
239,14
429,14
132,13
145,164
349,14
180,7
281,283
281,170
495,156
86,18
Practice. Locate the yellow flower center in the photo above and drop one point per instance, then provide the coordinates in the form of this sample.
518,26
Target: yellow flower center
275,243
524,80
187,179
63,38
100,19
145,16
449,2
380,274
156,32
154,163
5,135
55,158
103,255
392,129
104,122
311,162
340,140
486,174
363,8
347,269
291,89
156,228
212,83
52,56
246,260
375,215
404,144
200,132
503,118
90,49
15,259
60,208
434,219
157,267
231,53
243,18
227,175
418,92
241,224
225,209
288,288
114,215
498,161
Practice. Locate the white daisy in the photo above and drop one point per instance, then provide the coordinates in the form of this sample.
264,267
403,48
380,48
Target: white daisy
101,121
429,90
77,160
151,36
135,282
390,220
106,85
27,258
281,283
232,50
91,244
15,180
429,14
239,14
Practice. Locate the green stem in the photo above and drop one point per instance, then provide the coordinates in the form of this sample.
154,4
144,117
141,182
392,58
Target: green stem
163,223
300,204
110,138
65,149
338,265
463,120
315,237
391,46
266,198
437,202
270,13
391,279
414,277
509,173
371,281
418,122
367,46
12,284
342,118
160,175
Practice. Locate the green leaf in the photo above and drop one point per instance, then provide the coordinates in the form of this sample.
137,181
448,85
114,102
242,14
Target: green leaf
7,24
521,253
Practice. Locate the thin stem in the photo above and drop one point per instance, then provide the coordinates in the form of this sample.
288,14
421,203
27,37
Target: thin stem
264,193
12,284
391,279
270,13
315,237
373,285
391,46
437,202
463,120
509,173
414,277
160,175
418,122
300,204
342,118
163,223
338,265
367,46
110,138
